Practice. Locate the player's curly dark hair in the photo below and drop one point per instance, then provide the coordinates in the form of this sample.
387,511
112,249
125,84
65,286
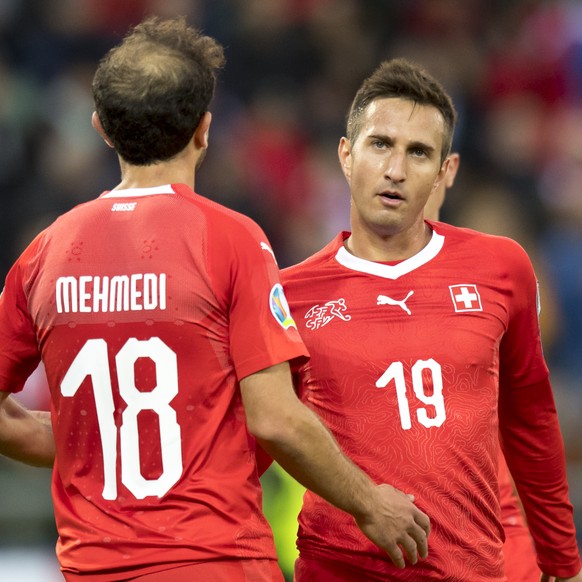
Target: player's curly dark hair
399,78
151,90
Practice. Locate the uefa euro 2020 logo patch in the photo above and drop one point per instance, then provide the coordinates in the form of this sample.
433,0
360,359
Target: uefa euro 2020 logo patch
280,307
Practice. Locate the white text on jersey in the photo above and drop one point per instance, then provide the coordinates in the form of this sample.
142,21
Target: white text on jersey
86,294
123,206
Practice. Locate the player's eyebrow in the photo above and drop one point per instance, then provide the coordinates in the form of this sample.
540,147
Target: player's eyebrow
413,145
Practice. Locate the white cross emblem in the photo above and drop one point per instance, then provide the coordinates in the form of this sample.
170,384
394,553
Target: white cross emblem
465,298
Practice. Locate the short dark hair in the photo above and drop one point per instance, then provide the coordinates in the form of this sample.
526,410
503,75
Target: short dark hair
151,90
399,78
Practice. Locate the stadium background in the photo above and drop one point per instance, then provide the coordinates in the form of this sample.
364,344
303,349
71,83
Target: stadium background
514,69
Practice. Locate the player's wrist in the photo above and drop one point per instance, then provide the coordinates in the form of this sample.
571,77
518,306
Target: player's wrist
365,503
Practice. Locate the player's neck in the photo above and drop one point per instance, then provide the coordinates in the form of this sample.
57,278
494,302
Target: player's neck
176,171
372,246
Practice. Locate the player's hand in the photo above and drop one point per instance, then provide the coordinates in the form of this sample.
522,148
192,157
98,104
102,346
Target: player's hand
548,578
397,526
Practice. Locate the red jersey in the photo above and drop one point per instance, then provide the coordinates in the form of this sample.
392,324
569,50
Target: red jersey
410,363
147,307
518,550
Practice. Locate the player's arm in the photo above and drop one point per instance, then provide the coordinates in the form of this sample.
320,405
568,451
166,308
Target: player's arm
530,432
25,436
296,438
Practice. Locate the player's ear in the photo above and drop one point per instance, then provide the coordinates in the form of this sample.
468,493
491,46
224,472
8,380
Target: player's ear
454,161
344,152
441,176
96,123
202,131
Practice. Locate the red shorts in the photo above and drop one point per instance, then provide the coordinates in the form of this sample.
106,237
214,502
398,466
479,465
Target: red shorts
307,570
217,571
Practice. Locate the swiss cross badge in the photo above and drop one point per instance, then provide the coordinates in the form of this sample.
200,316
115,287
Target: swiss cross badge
465,298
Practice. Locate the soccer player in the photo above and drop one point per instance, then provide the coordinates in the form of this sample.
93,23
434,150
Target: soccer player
424,344
518,551
166,339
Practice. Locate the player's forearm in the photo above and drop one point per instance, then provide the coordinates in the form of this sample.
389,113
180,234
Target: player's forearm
543,492
295,437
24,436
537,464
307,451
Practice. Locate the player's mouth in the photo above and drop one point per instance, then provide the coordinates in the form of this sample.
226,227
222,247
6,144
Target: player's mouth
391,198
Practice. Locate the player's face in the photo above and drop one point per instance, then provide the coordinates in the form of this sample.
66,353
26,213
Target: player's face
393,166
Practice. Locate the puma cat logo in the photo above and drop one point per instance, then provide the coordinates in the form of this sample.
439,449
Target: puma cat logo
384,300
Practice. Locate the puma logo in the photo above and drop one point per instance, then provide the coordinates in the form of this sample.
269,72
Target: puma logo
267,248
384,300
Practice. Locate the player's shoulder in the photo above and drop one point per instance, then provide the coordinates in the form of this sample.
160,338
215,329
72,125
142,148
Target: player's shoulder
224,222
212,207
315,264
479,243
60,223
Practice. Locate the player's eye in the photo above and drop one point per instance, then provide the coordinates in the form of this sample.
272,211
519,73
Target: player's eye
419,152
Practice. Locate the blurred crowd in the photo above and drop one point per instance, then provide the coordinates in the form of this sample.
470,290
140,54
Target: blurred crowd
513,67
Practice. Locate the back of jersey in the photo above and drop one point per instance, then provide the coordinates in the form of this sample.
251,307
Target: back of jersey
148,306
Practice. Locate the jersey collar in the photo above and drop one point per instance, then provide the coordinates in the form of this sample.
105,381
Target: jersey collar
133,192
429,252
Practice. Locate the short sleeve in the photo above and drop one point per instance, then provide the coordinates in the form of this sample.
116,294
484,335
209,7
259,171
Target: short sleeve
262,329
20,353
